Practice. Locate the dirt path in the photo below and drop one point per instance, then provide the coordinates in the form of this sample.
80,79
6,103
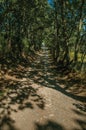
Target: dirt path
37,101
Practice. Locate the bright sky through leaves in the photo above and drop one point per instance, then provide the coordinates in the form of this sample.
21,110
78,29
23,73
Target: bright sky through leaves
51,2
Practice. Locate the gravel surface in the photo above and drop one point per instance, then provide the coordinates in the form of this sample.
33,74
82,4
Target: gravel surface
39,102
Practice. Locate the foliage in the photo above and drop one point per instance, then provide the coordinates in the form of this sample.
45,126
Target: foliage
25,24
67,32
21,20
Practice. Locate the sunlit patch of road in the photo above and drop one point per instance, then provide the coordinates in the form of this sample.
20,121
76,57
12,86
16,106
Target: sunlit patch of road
39,101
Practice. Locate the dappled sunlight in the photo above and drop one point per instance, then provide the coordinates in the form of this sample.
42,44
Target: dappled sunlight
74,84
45,76
19,94
80,122
7,123
49,125
80,106
21,86
42,65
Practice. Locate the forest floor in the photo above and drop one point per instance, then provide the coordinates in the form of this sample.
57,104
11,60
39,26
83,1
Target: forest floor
36,96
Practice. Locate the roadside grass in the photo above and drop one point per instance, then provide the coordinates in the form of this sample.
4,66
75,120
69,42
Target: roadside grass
79,56
79,67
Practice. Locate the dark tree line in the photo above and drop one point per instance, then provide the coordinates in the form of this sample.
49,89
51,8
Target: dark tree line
25,24
21,26
70,32
68,42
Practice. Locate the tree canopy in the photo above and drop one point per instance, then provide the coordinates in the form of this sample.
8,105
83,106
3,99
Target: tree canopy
60,24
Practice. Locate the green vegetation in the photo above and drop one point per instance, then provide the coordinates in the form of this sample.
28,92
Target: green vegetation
42,60
26,24
68,33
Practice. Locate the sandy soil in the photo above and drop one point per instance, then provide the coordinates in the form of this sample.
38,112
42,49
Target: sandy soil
37,101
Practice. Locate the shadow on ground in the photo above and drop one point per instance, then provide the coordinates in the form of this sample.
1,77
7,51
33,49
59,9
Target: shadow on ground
49,125
45,74
17,98
80,122
19,93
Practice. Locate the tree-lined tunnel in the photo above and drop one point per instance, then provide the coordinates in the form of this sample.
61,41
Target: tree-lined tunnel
61,25
42,65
